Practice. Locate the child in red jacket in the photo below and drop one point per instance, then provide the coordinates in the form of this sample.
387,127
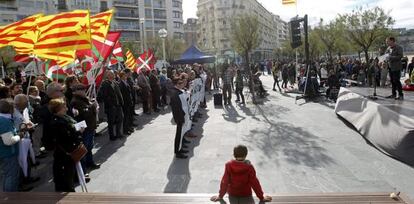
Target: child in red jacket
240,178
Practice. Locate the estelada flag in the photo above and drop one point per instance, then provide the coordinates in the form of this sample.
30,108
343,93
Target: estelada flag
146,60
130,62
285,2
12,31
67,31
100,25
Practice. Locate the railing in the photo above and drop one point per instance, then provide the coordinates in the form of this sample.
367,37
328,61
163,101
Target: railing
127,3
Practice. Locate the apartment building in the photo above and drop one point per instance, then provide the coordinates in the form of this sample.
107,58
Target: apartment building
131,16
214,29
190,31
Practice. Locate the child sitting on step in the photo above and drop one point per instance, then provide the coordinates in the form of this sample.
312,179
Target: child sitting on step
240,178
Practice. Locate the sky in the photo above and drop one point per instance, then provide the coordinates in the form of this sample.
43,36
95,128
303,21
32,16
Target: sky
402,12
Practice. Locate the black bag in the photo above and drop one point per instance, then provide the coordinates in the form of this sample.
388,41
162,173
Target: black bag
218,99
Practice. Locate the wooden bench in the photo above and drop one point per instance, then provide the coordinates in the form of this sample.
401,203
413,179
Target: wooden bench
115,198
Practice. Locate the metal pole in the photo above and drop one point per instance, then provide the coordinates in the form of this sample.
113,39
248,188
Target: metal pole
163,49
305,26
142,36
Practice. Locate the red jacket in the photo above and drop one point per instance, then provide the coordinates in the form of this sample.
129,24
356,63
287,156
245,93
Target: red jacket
239,179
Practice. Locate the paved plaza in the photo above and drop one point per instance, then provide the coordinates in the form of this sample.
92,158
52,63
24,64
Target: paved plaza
295,148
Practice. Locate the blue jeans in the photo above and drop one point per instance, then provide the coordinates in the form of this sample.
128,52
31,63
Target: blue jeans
10,173
88,137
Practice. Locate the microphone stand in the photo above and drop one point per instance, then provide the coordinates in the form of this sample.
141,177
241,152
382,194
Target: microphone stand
374,95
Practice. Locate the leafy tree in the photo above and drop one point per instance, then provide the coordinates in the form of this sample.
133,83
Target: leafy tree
7,54
245,36
173,48
365,28
134,46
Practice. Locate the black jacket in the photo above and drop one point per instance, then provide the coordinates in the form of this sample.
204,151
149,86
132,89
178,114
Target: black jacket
87,111
176,106
110,95
126,93
65,135
396,53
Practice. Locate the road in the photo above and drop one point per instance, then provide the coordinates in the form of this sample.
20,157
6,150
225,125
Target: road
295,148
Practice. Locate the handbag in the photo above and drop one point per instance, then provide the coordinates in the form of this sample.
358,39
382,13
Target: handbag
78,153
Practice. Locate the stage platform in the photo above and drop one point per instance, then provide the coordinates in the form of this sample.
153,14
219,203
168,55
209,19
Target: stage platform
386,123
183,198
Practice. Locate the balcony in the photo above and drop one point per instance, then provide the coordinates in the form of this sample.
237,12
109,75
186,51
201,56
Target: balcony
127,16
126,27
126,3
7,8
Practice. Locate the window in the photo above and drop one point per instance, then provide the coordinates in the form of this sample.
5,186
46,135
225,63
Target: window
130,36
148,3
104,6
160,24
177,4
149,24
62,4
178,35
178,24
159,3
161,14
177,14
126,12
148,13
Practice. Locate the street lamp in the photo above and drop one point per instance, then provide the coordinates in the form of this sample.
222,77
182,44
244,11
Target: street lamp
143,43
163,34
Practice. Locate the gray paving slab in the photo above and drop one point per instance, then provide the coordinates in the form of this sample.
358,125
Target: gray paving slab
295,148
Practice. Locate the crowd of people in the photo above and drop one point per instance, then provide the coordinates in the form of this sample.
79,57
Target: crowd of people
39,117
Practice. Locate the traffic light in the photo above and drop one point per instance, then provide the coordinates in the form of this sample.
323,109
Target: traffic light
296,34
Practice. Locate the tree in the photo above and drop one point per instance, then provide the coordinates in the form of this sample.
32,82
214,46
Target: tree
133,46
245,36
365,28
332,38
173,48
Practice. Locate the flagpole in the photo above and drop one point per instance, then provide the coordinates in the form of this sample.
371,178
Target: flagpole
30,77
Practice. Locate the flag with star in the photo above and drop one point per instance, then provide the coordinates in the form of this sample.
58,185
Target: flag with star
12,31
100,25
68,31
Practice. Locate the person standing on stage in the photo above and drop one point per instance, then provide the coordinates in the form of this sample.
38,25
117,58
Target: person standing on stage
395,53
178,115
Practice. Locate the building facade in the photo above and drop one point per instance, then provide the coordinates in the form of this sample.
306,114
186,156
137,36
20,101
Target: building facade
131,16
190,32
214,27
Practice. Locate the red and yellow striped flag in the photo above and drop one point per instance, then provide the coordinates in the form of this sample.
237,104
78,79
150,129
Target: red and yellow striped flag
130,62
100,25
61,58
12,31
285,2
67,31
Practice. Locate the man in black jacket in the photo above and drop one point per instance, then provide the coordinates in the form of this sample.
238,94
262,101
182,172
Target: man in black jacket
178,115
126,92
395,53
113,101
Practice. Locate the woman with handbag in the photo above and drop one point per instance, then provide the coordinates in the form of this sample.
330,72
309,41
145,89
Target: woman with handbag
68,145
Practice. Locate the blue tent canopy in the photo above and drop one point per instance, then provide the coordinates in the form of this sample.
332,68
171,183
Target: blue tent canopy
194,55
